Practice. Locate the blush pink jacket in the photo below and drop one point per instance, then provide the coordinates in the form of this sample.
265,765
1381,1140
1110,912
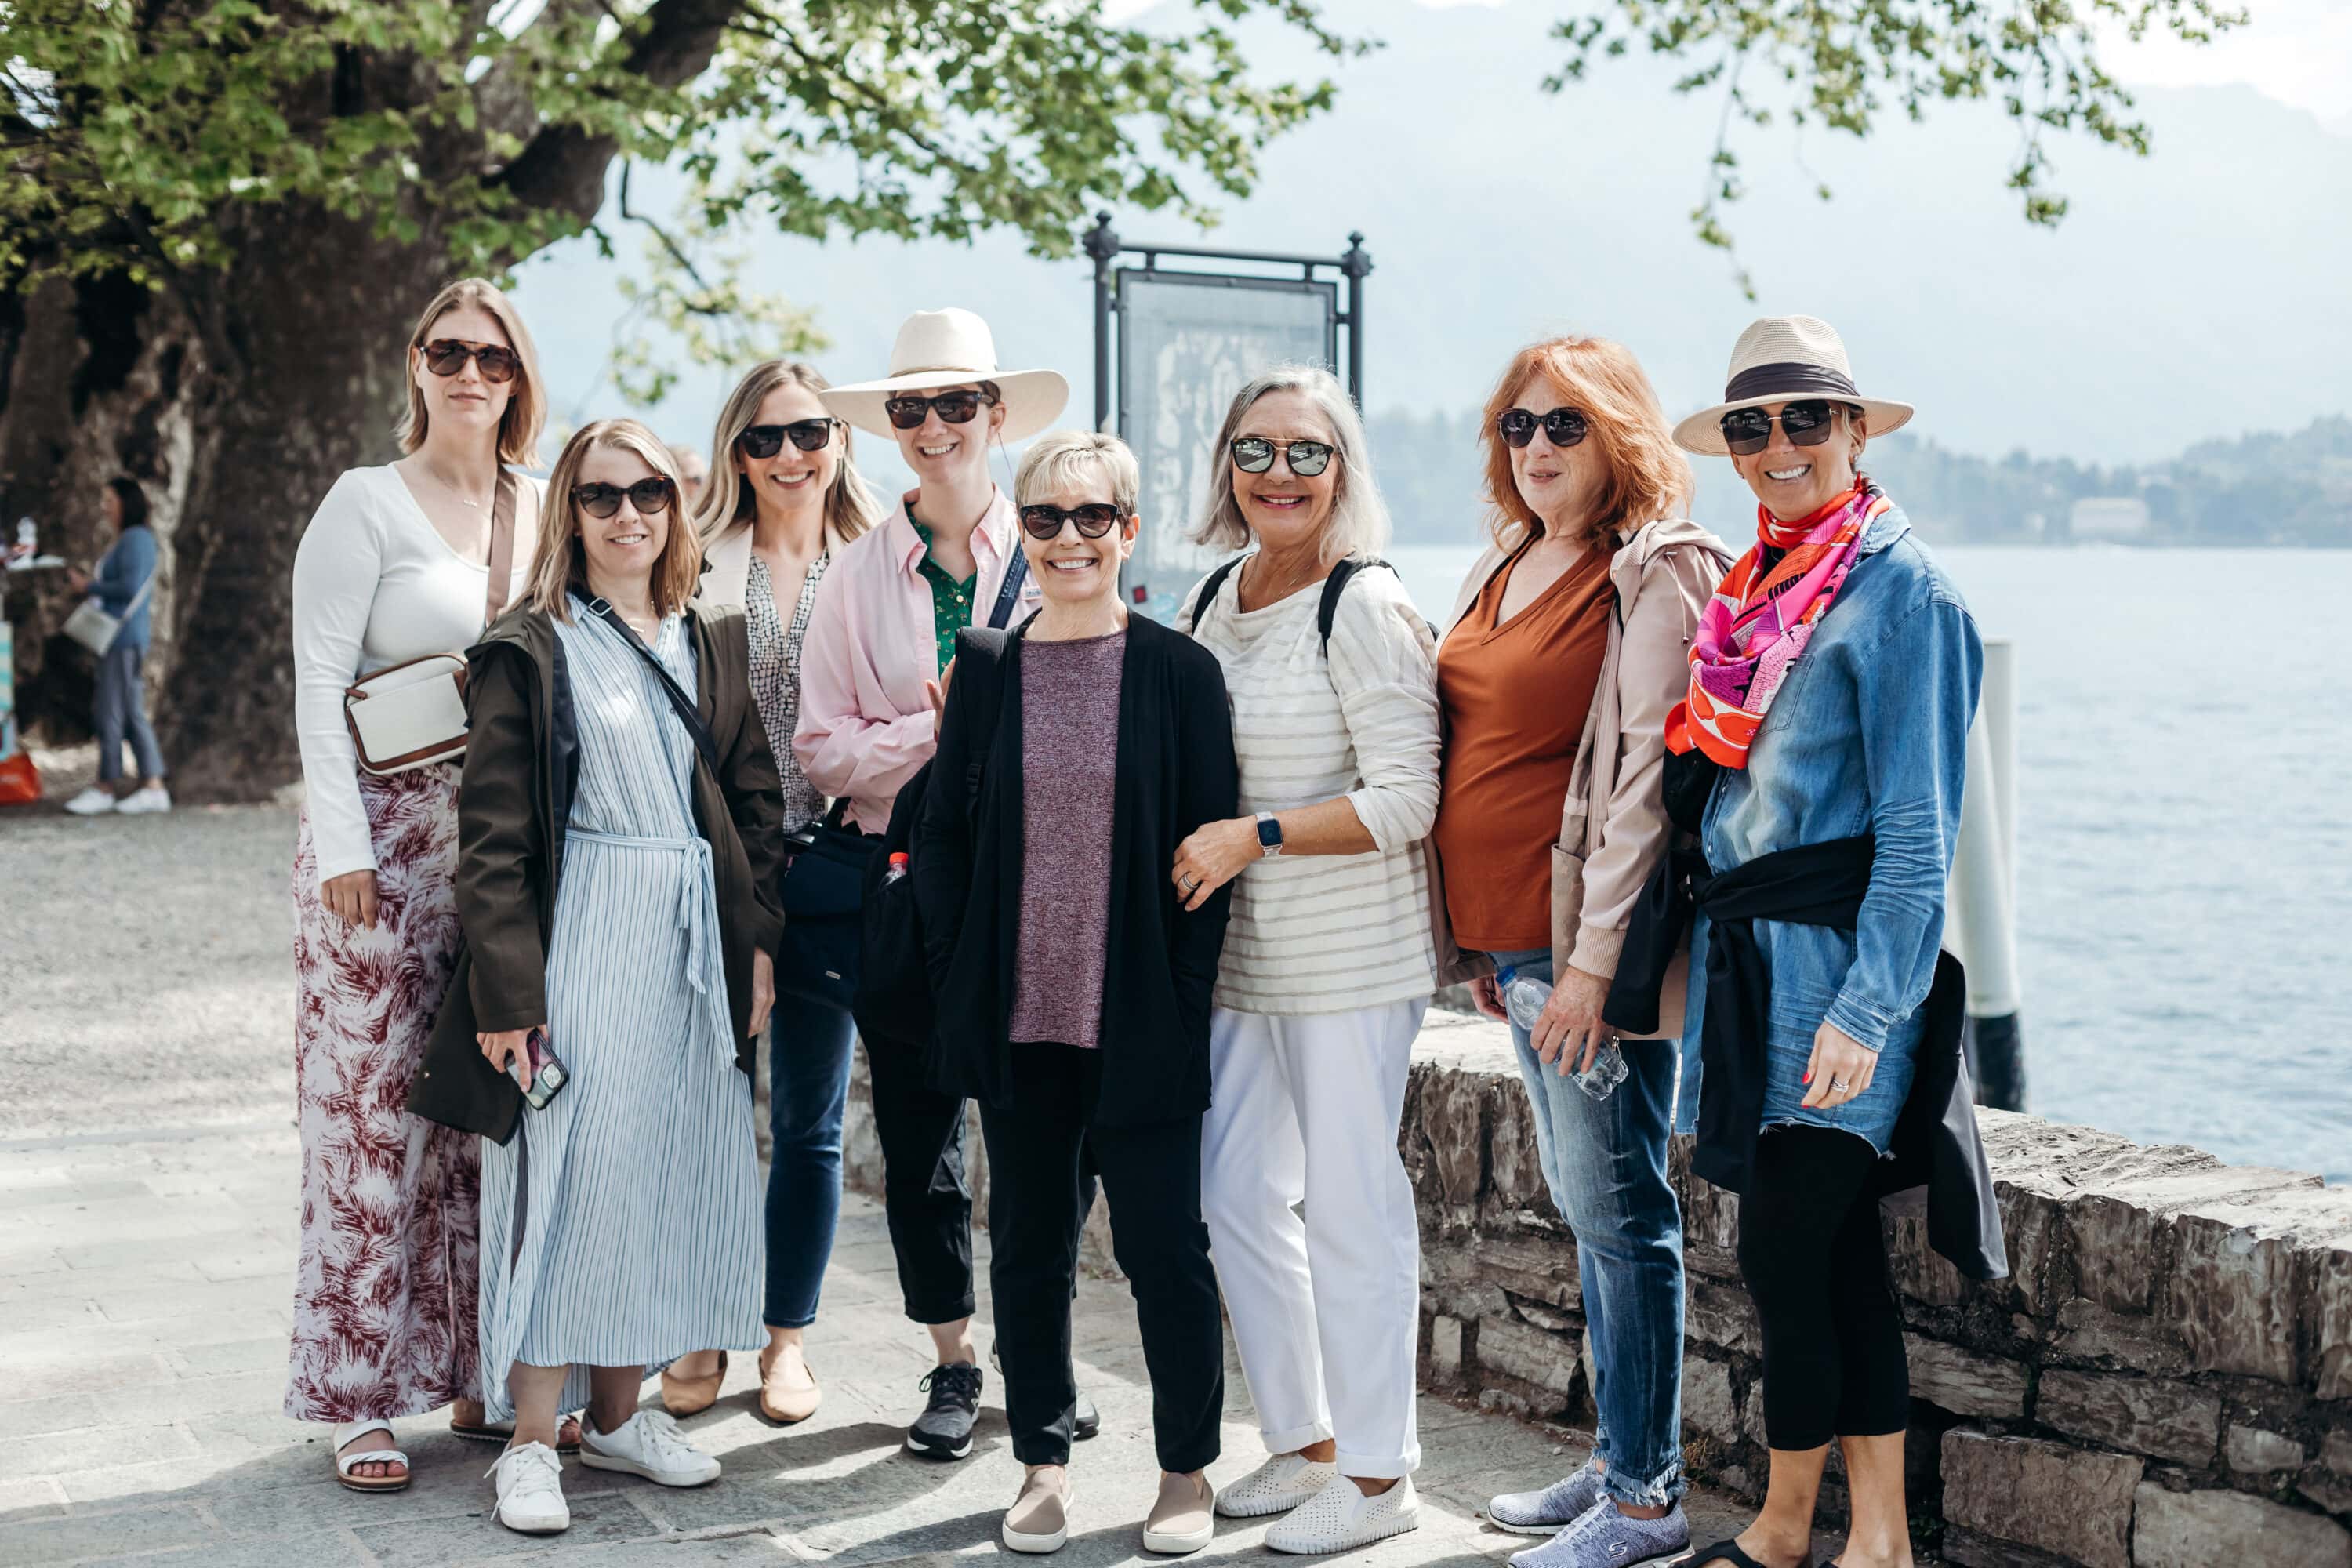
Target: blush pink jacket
865,725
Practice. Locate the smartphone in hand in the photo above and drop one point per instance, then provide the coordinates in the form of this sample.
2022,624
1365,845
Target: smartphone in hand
536,1070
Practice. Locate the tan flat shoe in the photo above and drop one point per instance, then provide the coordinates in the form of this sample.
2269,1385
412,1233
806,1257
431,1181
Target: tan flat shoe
684,1396
783,1405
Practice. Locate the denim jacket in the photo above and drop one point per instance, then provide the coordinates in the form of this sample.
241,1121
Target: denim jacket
120,575
1869,735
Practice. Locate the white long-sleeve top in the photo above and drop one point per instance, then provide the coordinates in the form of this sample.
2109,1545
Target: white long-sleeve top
1330,933
375,585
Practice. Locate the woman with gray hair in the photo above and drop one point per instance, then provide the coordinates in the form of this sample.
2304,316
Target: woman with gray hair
1329,964
1072,979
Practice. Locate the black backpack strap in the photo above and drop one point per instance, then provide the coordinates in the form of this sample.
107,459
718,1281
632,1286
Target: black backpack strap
1327,611
687,712
1210,584
1009,596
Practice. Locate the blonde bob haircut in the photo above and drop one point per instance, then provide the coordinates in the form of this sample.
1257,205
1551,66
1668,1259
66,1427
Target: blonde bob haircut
561,567
526,410
1358,524
1066,458
1648,477
850,506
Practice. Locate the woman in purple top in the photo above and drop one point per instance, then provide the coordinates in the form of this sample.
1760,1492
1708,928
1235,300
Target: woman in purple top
1072,984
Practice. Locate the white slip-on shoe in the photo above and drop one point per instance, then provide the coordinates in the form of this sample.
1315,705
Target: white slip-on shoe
649,1444
1339,1518
95,801
531,1490
1282,1483
149,802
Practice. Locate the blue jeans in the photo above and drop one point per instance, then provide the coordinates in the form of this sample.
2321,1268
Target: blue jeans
808,1081
1605,1162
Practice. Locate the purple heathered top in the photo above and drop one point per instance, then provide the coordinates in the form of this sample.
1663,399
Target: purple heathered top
1069,740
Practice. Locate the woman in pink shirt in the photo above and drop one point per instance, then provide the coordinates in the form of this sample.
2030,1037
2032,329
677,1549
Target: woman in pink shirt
873,663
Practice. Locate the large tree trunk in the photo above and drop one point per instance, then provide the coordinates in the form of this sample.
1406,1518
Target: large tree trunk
235,399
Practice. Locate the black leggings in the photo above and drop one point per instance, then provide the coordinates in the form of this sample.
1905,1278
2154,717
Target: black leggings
1815,1262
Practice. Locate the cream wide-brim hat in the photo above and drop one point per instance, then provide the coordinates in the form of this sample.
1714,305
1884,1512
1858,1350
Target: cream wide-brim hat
1780,358
950,347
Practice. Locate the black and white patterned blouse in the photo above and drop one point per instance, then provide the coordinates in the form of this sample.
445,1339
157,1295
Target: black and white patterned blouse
776,680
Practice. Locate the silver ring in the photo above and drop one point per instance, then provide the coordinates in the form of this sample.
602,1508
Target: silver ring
1837,1086
1190,883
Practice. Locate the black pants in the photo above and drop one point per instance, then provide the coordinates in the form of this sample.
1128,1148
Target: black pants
1037,1202
1815,1262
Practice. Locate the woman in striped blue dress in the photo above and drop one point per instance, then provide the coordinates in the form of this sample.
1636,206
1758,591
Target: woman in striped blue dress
622,1227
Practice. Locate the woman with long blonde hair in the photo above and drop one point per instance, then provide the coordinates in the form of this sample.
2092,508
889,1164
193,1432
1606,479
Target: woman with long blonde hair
620,835
783,495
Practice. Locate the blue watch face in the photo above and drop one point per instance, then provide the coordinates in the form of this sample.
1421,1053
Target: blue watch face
1269,832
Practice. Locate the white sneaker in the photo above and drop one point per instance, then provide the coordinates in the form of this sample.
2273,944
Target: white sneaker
1279,1485
1341,1518
647,1443
531,1490
148,802
95,801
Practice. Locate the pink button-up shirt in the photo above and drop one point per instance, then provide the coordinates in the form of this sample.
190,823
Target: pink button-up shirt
864,724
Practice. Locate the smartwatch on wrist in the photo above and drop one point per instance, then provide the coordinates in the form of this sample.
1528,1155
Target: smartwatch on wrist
1269,834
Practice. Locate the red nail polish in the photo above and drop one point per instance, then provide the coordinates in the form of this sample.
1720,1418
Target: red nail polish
1807,1078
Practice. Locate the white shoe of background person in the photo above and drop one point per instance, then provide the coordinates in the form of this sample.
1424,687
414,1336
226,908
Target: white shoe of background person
95,801
1279,1485
148,802
647,1443
531,1490
1340,1518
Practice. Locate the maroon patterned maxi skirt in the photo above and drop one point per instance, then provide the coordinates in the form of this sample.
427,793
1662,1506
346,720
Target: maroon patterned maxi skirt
385,1291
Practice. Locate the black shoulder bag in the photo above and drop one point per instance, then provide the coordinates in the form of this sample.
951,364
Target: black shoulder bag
825,875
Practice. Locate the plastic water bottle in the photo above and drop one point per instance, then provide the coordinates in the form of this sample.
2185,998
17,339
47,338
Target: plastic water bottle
1523,999
29,537
897,869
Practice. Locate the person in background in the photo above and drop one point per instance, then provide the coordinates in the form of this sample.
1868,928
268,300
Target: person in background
621,1218
872,667
1115,743
1329,964
1565,651
693,476
1833,678
393,566
787,497
121,702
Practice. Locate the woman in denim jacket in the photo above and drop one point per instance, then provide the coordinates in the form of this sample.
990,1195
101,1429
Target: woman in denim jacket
1833,681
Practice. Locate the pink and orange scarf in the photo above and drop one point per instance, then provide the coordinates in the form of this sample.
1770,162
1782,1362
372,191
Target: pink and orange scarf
1751,631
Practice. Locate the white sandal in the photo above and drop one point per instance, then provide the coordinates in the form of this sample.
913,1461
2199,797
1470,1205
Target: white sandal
350,1432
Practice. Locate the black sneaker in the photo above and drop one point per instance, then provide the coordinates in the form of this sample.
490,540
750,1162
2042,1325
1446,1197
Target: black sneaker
943,1431
1087,1421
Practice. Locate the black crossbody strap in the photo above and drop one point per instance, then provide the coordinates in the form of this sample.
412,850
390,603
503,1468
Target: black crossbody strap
689,715
1009,594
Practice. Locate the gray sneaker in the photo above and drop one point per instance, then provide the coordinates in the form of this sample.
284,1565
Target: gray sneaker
1604,1538
1551,1510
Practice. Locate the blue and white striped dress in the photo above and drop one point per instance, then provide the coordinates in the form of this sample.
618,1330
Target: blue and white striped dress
622,1225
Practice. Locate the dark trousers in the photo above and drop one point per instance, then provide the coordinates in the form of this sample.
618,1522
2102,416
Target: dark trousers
925,1197
1037,1203
1815,1261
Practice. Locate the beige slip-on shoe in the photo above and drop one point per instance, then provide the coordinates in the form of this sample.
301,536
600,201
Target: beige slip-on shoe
684,1396
1185,1518
1039,1519
781,1402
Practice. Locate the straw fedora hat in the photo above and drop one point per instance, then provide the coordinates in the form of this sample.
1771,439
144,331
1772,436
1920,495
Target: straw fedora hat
950,347
1779,358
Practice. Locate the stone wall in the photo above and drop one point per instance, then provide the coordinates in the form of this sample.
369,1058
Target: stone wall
2165,1380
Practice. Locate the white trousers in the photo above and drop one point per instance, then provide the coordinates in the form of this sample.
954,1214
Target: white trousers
1307,1109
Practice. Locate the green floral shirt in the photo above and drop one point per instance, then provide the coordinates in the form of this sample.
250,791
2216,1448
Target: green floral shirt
951,600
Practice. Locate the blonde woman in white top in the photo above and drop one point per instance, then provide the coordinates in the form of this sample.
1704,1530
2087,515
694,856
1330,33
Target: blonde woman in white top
785,496
393,566
1329,961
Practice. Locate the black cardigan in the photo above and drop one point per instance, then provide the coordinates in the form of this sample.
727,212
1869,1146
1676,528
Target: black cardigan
1176,772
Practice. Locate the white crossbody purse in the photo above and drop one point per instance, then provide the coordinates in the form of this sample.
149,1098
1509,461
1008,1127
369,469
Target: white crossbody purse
411,715
91,626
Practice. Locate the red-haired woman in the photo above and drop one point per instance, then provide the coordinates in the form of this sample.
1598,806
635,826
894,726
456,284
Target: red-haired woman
1566,650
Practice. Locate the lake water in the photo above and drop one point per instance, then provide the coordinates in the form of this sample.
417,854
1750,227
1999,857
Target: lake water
2184,878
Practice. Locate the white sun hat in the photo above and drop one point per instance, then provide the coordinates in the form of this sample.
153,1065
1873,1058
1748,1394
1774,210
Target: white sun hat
1779,358
951,347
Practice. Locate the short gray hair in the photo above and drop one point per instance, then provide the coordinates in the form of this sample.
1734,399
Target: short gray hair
1359,524
1056,460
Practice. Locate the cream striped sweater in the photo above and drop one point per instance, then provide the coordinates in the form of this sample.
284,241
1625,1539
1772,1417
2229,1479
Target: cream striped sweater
1330,933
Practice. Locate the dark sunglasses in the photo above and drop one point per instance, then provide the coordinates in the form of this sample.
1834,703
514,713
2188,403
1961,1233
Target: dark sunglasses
1747,431
955,407
767,440
1562,426
1255,455
1093,519
448,356
648,496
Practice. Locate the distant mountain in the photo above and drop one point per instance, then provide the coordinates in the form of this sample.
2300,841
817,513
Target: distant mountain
2197,293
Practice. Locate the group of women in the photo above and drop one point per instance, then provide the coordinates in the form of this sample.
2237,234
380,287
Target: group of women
1184,894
